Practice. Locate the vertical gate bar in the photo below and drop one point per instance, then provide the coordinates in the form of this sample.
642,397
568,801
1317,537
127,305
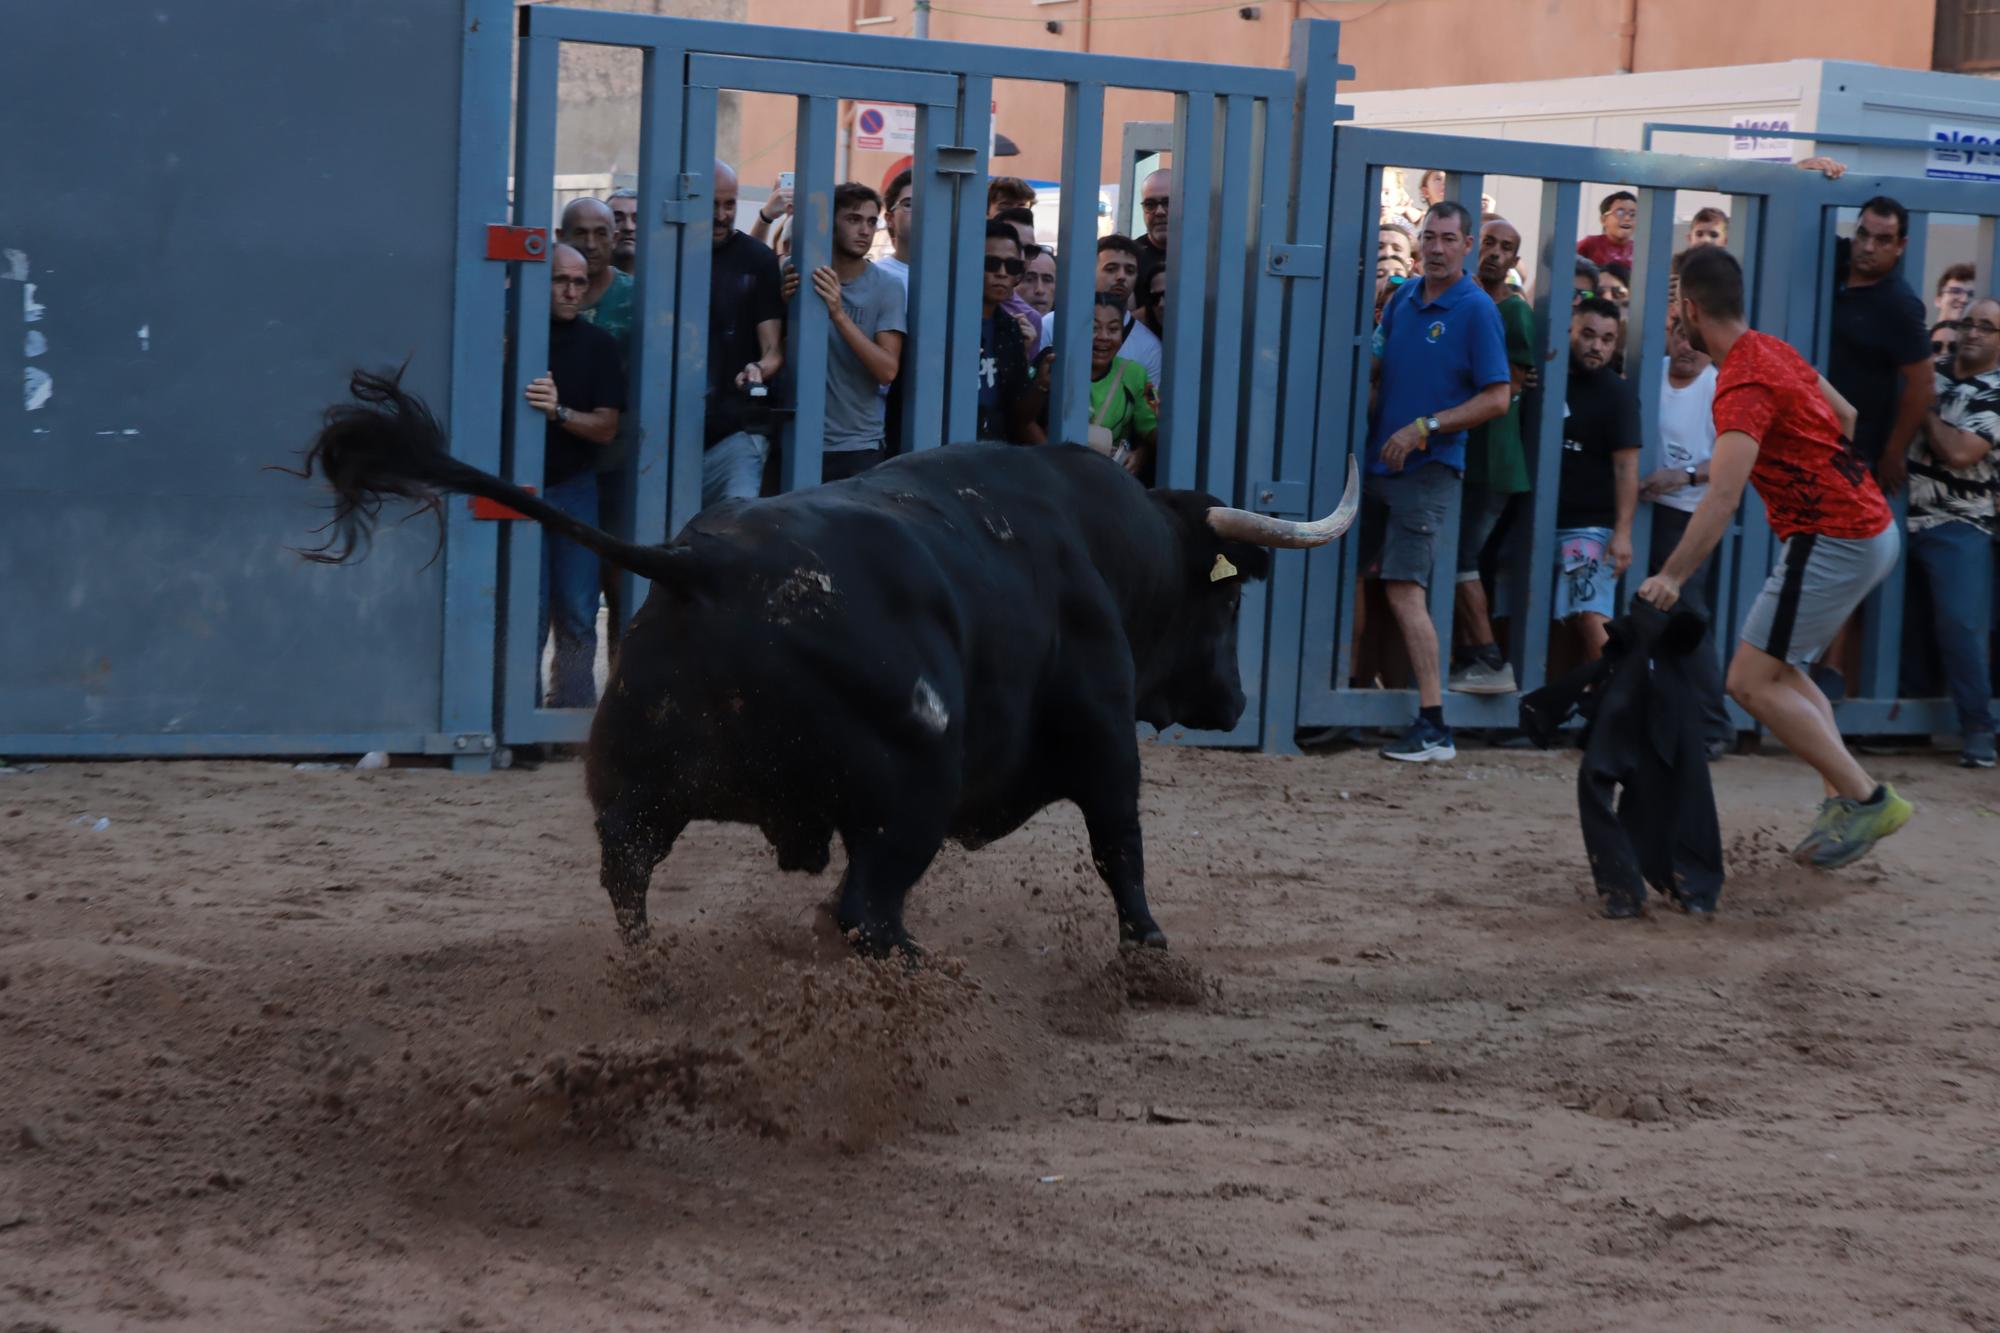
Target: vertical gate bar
1276,614
478,353
1881,615
1466,189
1227,277
650,396
968,283
1232,215
1557,259
1187,265
929,308
1331,611
1301,163
691,250
1645,369
534,178
809,328
1076,261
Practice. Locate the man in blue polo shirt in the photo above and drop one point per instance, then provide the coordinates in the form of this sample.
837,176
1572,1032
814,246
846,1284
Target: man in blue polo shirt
1440,369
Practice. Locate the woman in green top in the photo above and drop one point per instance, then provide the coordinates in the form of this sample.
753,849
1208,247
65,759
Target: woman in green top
1124,415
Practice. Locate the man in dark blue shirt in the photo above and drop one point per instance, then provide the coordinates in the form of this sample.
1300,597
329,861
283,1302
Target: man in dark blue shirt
1440,369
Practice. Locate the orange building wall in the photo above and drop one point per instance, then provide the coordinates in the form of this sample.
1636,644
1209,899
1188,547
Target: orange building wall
1391,44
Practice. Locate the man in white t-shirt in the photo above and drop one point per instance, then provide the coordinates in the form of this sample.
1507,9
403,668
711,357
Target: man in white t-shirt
1687,436
1145,325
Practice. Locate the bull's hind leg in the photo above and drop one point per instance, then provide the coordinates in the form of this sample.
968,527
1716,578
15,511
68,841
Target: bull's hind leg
884,861
631,842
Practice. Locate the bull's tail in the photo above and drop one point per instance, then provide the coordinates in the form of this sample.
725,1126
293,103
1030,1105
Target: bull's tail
387,444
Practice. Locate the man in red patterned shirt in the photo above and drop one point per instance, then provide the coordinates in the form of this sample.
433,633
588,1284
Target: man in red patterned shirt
1779,424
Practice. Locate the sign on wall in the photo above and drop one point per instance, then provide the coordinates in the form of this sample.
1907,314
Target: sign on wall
885,127
1748,145
1964,153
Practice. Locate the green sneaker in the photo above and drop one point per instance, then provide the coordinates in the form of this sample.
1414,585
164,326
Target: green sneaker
1832,811
1866,823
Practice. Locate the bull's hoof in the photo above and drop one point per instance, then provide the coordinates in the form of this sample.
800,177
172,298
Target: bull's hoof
1145,936
883,941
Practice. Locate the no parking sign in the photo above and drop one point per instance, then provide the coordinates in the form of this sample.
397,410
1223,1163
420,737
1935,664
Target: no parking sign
885,127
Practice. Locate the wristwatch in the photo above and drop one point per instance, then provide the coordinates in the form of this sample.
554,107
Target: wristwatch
1694,474
1430,425
562,415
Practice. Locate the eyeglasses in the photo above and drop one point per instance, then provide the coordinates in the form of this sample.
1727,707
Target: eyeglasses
1154,205
1939,346
1625,214
1957,293
1013,268
1978,326
1582,294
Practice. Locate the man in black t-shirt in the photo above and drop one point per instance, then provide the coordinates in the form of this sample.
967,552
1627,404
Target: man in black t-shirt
746,349
1879,357
582,393
1600,476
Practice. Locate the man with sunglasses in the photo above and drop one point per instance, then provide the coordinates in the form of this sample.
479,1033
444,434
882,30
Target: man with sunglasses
1952,485
1009,404
1022,220
1155,195
1944,341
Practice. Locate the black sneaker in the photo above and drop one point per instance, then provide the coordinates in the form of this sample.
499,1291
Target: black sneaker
1423,743
1624,906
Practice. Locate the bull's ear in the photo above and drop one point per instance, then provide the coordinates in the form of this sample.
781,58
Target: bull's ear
1222,569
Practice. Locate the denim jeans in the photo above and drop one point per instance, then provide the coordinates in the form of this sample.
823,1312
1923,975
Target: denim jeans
733,468
1957,564
569,599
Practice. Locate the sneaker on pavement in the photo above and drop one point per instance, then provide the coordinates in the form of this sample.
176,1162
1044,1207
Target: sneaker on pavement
1478,678
1977,751
1422,744
1863,824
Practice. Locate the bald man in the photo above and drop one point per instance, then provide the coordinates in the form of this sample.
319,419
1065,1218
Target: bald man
746,349
582,394
1155,197
591,229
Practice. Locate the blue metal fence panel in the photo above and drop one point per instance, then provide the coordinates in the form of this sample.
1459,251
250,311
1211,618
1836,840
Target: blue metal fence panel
187,338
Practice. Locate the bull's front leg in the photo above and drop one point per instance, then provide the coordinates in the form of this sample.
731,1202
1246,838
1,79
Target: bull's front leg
1117,846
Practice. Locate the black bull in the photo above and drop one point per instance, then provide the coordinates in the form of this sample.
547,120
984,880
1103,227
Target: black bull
936,649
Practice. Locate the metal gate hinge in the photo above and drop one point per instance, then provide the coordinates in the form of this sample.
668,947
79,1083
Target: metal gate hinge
527,245
1295,261
954,160
689,204
1279,497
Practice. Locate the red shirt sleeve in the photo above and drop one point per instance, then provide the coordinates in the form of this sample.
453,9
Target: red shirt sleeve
1747,407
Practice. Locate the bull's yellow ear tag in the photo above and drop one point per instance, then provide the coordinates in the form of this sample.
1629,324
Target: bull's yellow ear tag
1223,569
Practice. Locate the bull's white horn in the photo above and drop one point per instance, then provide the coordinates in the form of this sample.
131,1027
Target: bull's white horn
1262,530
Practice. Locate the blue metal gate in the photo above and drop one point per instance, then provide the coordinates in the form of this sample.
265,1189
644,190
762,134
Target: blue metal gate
1229,265
1782,228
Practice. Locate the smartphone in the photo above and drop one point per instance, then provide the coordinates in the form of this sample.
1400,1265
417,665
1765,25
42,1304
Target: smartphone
784,180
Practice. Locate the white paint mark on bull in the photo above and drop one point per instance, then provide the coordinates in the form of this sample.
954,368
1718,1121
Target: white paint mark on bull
998,525
31,309
145,337
929,708
17,265
39,388
803,590
967,493
36,343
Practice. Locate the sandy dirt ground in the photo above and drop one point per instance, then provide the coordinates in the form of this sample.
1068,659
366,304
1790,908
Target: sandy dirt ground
340,1050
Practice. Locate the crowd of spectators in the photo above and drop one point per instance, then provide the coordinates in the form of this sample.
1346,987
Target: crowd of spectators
1453,398
1453,376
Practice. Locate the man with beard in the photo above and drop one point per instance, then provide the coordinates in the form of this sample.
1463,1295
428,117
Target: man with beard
1496,468
624,206
1783,426
1687,439
746,349
865,326
1879,357
1600,477
1156,197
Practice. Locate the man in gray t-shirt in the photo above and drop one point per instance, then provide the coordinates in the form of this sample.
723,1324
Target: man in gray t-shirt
866,323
